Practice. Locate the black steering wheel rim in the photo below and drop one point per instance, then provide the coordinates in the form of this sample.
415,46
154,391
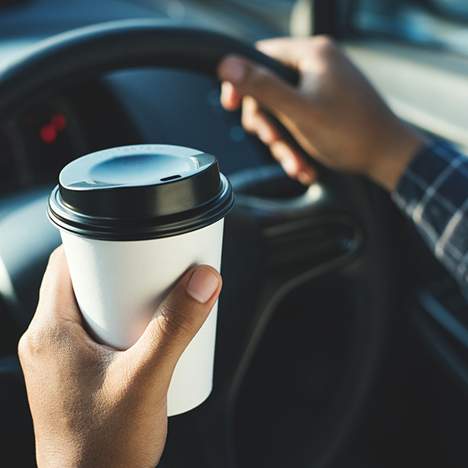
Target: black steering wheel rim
92,50
73,56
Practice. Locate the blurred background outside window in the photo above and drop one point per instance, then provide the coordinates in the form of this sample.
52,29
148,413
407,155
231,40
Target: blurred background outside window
431,23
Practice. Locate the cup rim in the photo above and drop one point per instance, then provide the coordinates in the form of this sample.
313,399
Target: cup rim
105,228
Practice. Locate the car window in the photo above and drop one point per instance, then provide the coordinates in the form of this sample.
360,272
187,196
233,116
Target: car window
434,23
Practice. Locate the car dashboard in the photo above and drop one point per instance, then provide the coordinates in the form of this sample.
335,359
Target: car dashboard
124,107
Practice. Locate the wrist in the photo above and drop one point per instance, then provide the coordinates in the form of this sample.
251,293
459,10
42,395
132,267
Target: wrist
396,152
94,456
57,457
66,453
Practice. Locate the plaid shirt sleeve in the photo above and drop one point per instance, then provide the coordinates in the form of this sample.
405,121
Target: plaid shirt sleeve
433,192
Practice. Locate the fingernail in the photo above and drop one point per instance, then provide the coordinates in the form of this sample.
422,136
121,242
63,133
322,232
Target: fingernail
233,70
202,284
290,166
305,177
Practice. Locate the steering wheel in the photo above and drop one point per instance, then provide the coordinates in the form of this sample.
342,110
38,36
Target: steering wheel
337,225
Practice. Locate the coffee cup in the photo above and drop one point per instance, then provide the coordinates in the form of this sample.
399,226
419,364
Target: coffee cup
133,219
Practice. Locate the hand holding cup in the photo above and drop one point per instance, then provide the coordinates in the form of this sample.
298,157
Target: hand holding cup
95,406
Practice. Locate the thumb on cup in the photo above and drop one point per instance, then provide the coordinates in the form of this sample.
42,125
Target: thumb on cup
178,319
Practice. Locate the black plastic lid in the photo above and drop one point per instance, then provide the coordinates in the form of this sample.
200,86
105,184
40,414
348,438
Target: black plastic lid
140,192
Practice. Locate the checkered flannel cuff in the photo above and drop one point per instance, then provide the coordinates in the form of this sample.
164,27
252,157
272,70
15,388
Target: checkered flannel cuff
434,193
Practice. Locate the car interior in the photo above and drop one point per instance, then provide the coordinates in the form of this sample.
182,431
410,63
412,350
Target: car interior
341,341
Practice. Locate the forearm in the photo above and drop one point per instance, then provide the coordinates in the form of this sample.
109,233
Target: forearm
395,148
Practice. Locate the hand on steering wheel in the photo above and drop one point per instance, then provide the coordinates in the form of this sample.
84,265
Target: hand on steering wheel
334,114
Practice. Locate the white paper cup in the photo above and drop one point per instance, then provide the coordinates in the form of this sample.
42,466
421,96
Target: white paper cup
118,282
